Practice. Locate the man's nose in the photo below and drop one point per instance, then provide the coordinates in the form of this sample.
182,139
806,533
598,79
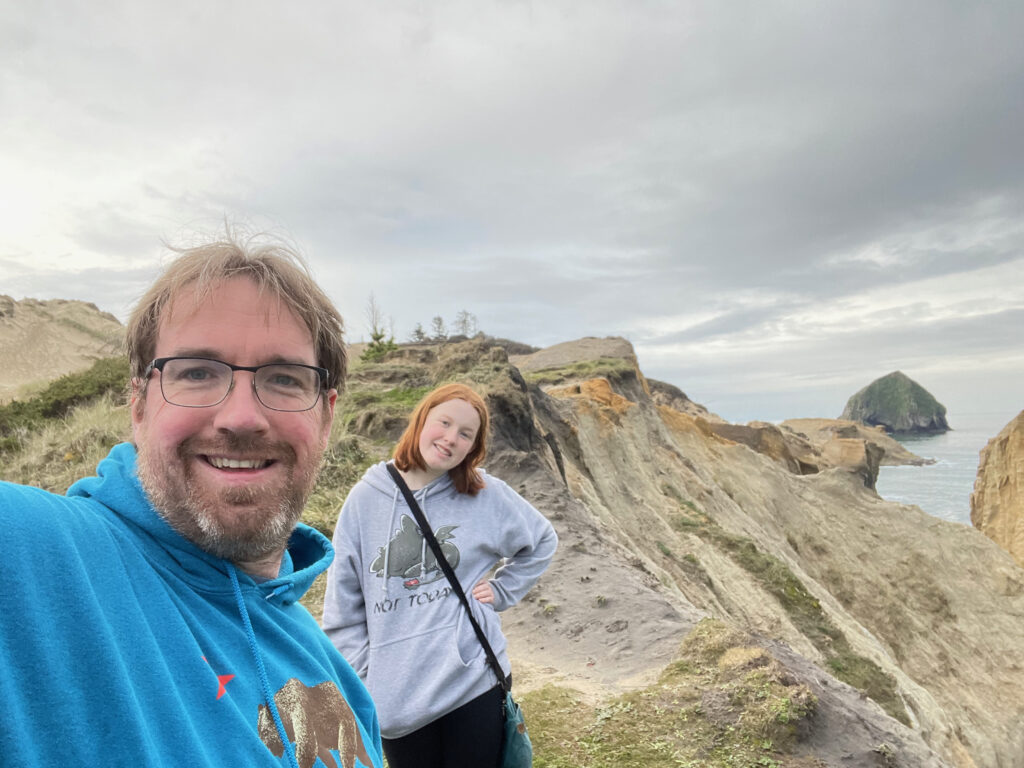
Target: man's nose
241,410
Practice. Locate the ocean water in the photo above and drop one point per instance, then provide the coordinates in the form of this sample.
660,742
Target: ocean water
943,489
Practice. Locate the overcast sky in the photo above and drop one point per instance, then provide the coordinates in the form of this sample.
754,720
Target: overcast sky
776,203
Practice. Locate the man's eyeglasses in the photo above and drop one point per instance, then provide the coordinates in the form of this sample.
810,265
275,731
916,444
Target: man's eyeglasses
199,382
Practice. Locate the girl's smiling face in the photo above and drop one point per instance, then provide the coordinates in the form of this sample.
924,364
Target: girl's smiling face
448,435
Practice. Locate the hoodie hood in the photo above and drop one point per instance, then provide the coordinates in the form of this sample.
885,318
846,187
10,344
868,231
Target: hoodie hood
116,486
377,477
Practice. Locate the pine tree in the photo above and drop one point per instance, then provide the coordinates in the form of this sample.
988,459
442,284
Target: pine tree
440,332
380,341
419,336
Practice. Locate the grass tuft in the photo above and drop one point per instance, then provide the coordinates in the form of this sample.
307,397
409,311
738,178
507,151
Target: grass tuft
608,367
803,609
720,704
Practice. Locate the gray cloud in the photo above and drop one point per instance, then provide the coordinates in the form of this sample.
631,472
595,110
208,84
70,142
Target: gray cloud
789,198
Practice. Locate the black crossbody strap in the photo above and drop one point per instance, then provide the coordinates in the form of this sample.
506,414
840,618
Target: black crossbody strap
442,562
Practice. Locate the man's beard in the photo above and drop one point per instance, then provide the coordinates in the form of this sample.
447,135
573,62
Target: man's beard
235,524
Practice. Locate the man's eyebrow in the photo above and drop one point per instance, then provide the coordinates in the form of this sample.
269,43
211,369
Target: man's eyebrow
196,352
213,354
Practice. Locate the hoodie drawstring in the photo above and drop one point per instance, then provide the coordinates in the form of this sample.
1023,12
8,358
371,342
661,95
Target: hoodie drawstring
424,547
260,669
387,544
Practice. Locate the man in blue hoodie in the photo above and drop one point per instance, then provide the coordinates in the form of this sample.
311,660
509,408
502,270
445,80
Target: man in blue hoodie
151,615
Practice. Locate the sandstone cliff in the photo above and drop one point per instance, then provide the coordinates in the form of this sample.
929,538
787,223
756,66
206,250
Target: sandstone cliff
664,519
42,340
899,404
997,504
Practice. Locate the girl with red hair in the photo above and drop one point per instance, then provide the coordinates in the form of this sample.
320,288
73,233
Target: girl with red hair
389,608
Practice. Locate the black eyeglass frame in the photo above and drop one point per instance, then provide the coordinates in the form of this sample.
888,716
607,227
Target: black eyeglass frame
159,363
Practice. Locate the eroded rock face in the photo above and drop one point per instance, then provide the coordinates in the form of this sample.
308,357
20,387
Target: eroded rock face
670,395
997,504
792,451
653,504
899,404
809,446
822,432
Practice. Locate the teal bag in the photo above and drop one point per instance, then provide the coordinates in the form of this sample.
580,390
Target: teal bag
516,749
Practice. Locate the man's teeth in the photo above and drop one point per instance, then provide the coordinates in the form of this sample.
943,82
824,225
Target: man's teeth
222,463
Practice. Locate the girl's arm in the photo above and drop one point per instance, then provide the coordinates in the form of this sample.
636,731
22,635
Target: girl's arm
344,619
528,543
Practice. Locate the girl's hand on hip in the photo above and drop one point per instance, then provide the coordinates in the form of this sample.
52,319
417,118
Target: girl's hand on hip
483,592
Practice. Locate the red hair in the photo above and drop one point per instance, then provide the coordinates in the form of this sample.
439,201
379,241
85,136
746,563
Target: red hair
407,453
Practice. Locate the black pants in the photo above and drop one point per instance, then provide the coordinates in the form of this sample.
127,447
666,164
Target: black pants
467,737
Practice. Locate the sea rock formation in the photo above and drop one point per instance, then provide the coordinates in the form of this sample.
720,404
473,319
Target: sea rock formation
822,432
997,503
42,340
809,446
899,404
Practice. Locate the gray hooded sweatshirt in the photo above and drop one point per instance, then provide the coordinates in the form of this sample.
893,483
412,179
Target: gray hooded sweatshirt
390,610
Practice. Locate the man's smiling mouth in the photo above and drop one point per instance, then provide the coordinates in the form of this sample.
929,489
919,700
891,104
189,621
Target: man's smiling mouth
221,462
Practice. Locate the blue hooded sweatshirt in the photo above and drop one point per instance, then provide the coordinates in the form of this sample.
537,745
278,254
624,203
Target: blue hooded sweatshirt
123,644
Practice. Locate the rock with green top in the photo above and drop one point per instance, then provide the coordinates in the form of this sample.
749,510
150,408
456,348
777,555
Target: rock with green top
899,404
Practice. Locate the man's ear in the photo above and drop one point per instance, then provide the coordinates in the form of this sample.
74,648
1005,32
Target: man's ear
330,398
137,401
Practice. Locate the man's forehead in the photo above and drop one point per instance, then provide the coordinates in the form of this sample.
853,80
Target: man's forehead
223,308
259,301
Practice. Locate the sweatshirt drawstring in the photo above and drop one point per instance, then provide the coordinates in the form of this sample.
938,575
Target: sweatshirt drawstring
387,544
424,547
260,669
279,590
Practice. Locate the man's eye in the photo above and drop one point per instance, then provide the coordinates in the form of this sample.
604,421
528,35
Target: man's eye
196,374
283,380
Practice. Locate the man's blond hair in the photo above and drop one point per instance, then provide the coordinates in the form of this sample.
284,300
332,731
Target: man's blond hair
272,265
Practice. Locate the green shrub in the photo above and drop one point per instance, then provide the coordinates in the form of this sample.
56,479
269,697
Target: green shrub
378,348
105,376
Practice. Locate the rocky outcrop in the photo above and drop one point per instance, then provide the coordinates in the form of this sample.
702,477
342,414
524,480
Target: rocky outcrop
792,451
809,446
997,503
43,340
899,404
822,432
663,393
